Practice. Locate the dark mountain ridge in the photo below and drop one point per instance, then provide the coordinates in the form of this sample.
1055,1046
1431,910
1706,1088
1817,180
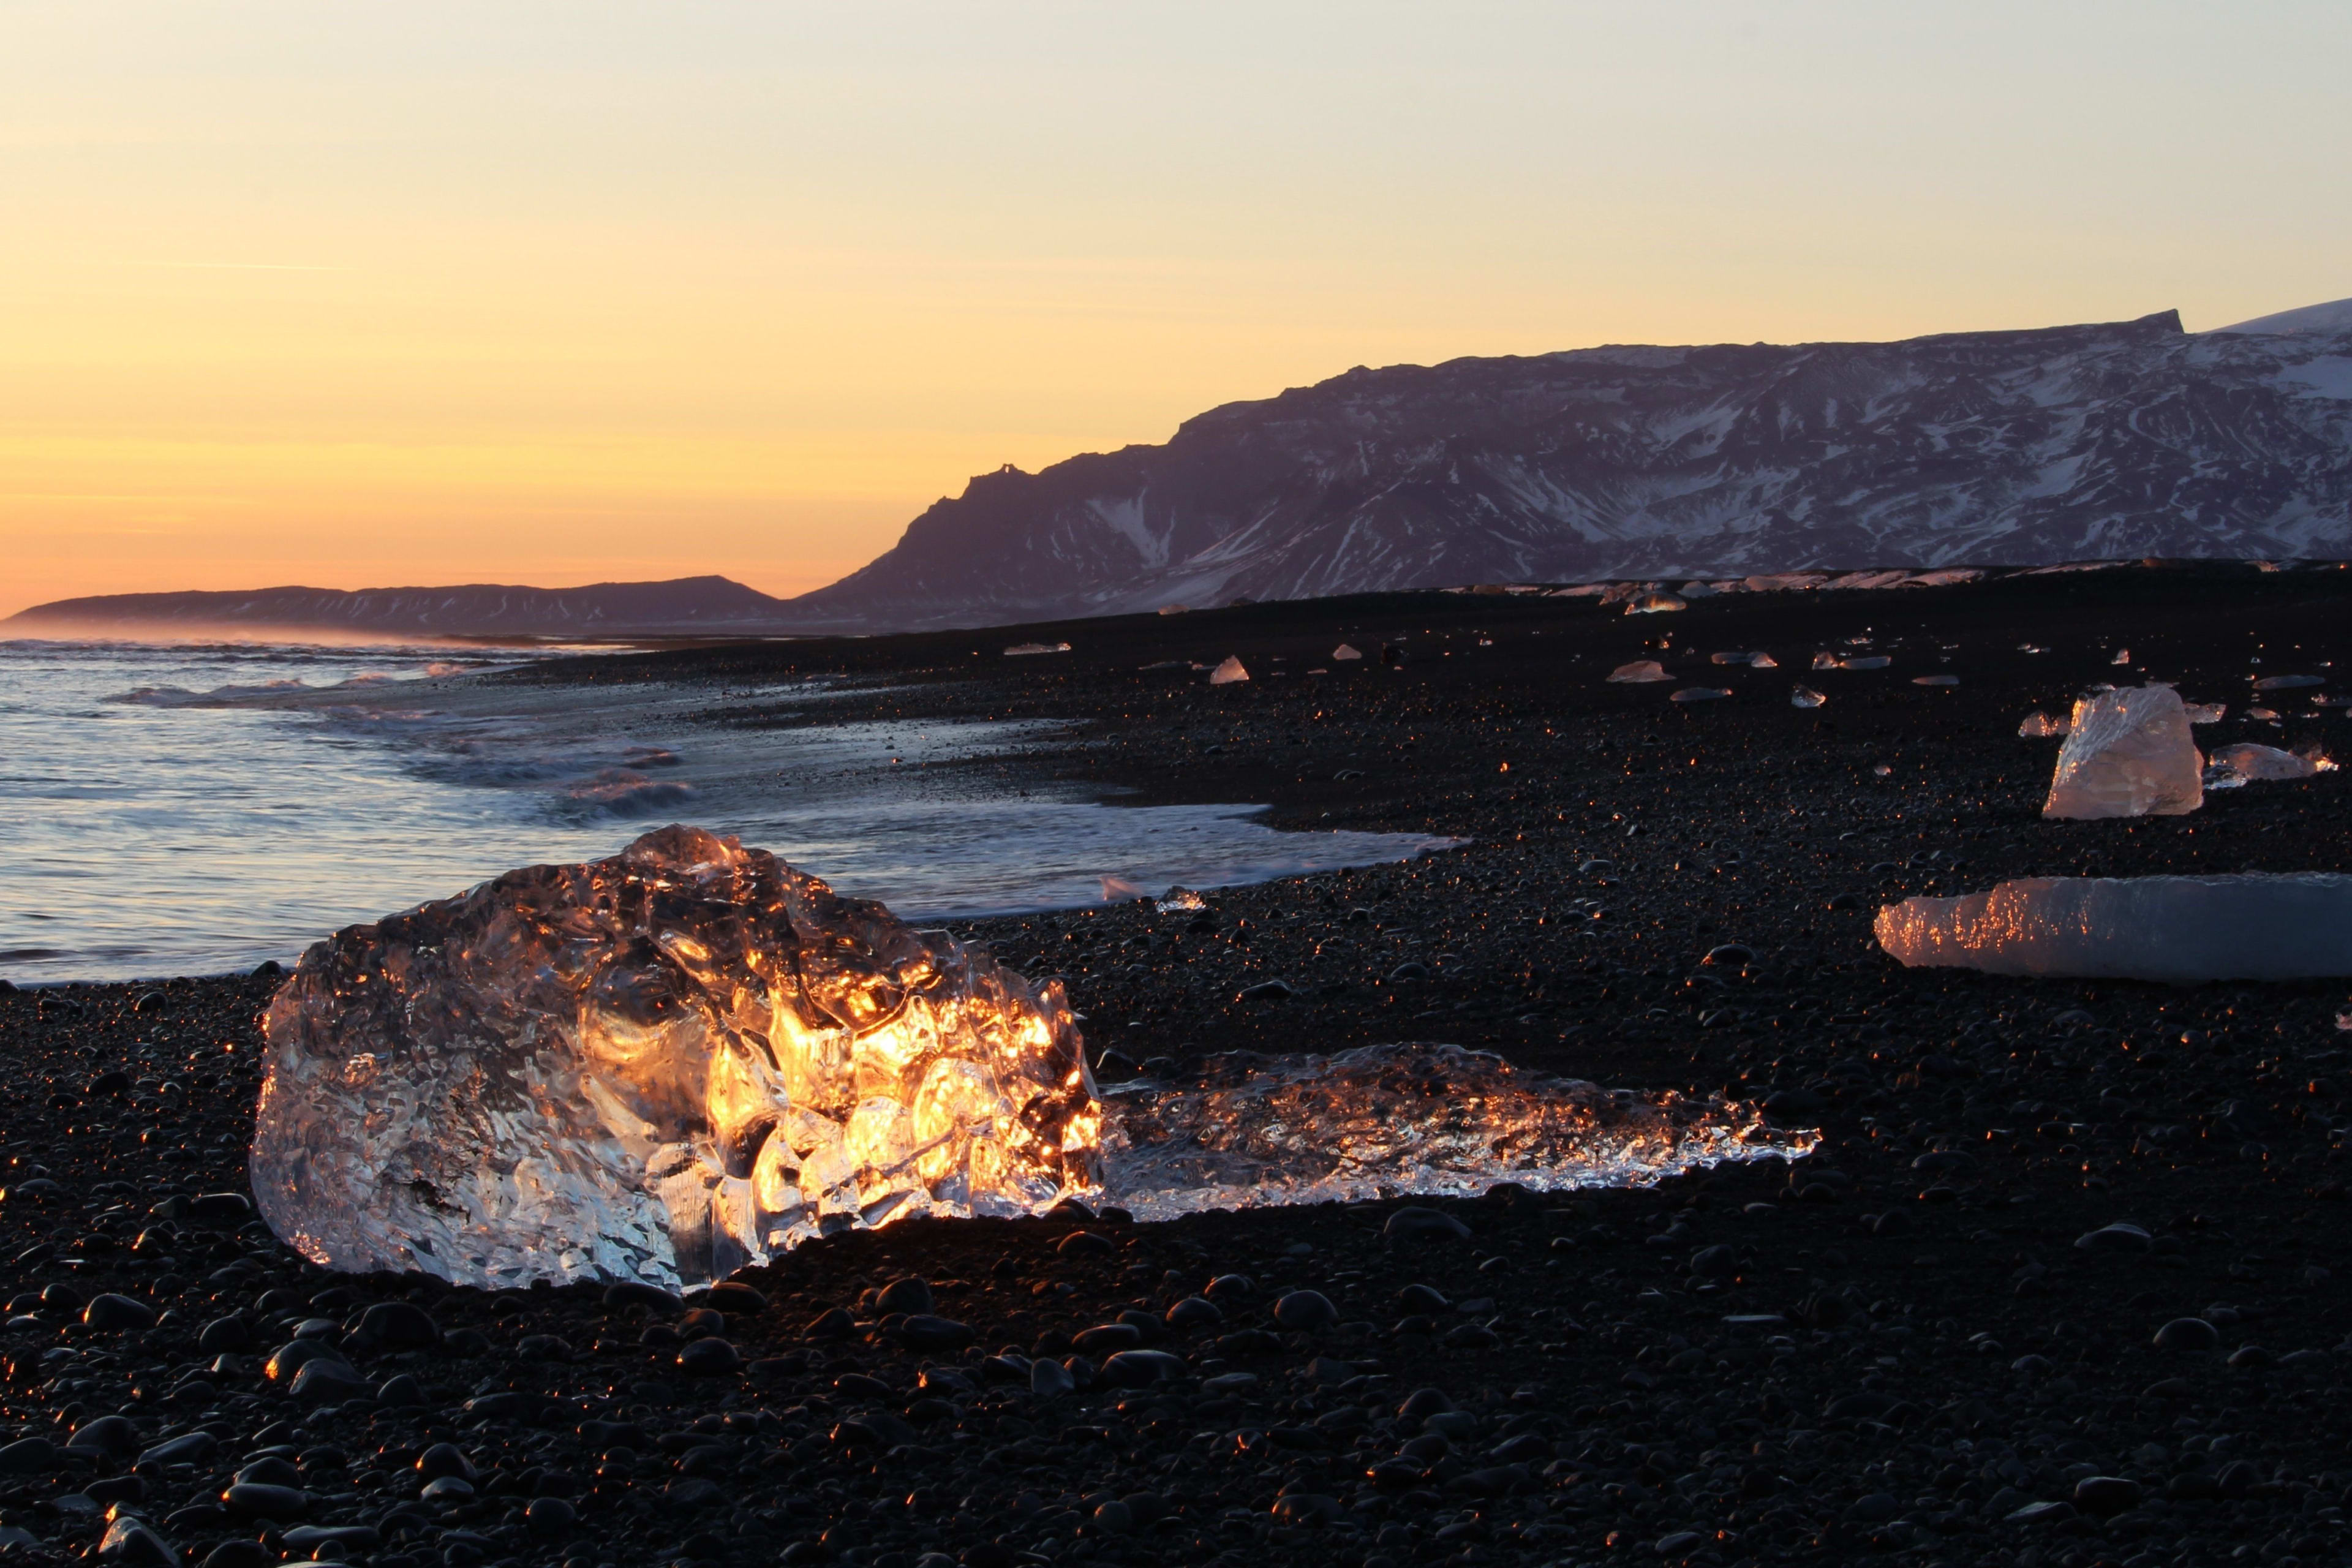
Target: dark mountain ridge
684,606
2122,439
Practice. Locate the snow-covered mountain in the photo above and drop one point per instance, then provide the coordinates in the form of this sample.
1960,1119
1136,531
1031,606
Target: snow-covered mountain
2019,448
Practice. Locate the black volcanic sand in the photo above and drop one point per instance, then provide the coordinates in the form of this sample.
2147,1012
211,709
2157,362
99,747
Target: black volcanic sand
1923,1346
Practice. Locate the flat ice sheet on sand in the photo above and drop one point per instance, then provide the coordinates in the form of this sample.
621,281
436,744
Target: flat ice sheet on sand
2254,926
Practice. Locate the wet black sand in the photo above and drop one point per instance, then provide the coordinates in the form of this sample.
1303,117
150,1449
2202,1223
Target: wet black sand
1946,1352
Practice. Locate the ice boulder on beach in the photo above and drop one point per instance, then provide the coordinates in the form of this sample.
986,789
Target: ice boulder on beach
2127,753
690,1057
2182,929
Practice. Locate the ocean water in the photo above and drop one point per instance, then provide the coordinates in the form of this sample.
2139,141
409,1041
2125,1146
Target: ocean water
196,810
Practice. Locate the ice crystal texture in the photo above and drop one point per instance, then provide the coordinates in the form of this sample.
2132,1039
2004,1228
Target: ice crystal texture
2183,930
691,1057
662,1066
2247,762
2127,753
1402,1119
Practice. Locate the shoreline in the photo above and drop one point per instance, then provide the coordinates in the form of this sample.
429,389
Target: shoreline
1894,1355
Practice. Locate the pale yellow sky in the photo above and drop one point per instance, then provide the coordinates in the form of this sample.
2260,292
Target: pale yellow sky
365,294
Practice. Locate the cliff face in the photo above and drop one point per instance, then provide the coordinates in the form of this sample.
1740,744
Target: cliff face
2022,447
686,605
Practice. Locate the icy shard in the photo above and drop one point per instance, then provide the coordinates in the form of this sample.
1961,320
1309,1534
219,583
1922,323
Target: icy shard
661,1065
1228,672
2127,753
2247,762
690,1057
1390,1121
2040,726
2183,930
1641,669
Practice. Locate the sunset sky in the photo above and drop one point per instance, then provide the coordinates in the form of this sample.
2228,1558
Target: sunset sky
355,294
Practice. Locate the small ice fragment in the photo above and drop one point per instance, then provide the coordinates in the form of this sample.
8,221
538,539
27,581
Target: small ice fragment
2262,714
1019,648
1652,603
2127,753
1868,662
2030,647
1695,590
2247,762
1182,900
1730,659
2123,655
1825,662
1344,651
1882,769
2344,1022
2183,930
1698,694
1641,669
2040,726
1805,697
1228,672
2205,713
1763,661
1935,680
2288,682
1118,890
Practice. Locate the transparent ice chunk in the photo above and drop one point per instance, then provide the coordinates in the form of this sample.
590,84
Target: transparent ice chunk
1805,697
2127,753
2254,926
2040,726
1346,651
1228,672
1401,1119
2247,762
1641,669
662,1066
1654,603
690,1057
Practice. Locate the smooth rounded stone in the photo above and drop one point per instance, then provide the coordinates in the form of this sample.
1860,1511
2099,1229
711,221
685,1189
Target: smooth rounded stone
399,1391
1049,1379
1458,1425
708,1358
270,1471
928,1332
1681,1542
1875,1508
443,1459
399,1325
834,1324
1717,1262
1193,1312
1105,1338
702,1323
738,1299
131,1543
642,1293
111,1313
1421,1403
859,1385
1113,1518
254,1499
240,1554
117,1489
287,1362
548,1517
112,1436
2247,1357
225,1334
1304,1311
29,1456
329,1380
1308,1508
340,1540
188,1449
446,1489
2192,1335
220,1209
1424,1225
1141,1369
911,1295
2106,1495
1423,1298
1086,1243
1230,1288
2121,1238
1230,1382
325,1329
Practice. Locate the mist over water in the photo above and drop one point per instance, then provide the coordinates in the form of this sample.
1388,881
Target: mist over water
195,809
